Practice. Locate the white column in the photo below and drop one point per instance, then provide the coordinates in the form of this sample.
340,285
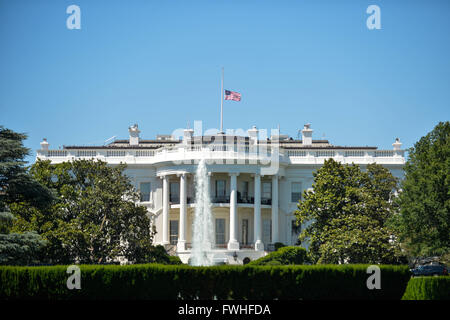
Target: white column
275,209
259,246
181,245
233,244
165,231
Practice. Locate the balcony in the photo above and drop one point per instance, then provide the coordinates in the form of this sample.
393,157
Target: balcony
251,200
225,199
245,199
220,199
174,199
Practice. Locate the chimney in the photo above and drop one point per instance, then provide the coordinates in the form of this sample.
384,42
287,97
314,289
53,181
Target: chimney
253,134
134,135
44,144
397,144
307,135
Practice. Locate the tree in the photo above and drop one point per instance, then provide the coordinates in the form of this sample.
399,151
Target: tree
95,218
16,185
21,248
346,212
423,223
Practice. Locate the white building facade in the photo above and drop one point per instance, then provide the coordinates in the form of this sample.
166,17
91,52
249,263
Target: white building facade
255,183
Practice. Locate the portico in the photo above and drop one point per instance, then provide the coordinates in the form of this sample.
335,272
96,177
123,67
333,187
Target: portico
230,194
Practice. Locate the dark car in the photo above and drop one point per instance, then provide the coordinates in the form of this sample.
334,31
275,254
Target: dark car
430,270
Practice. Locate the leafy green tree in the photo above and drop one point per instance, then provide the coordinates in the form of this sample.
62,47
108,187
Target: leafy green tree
95,218
423,224
16,185
345,215
21,248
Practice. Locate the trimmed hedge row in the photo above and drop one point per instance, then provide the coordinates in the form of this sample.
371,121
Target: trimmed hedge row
428,288
154,281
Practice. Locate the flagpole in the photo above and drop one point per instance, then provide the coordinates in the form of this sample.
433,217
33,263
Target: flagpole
221,103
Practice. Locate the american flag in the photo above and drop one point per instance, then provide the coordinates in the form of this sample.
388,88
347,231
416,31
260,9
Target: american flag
231,95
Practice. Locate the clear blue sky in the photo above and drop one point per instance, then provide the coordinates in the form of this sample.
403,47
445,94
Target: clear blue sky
157,63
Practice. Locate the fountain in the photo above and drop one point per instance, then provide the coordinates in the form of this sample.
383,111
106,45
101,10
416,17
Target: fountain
202,229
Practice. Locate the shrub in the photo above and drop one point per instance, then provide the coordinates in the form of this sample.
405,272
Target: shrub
158,254
279,245
174,260
428,288
284,255
273,263
170,282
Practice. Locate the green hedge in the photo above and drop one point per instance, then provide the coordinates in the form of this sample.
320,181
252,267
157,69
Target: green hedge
283,256
428,288
154,281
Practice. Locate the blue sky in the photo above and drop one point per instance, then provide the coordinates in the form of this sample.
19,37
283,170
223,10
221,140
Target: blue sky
157,63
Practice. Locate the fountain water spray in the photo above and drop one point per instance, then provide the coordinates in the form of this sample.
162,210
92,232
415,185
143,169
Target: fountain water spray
202,229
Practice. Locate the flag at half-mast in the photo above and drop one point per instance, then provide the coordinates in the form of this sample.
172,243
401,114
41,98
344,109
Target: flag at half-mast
231,95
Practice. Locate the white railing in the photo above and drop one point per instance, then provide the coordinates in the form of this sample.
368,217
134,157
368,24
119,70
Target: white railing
86,153
297,153
354,153
56,153
226,152
384,153
325,153
115,153
145,153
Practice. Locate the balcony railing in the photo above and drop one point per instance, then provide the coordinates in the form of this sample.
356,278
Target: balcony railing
251,200
251,246
174,199
245,200
221,199
224,199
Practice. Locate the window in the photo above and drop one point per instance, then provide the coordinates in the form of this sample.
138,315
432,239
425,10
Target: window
173,231
175,192
266,190
245,189
267,231
296,191
220,231
144,190
245,231
220,188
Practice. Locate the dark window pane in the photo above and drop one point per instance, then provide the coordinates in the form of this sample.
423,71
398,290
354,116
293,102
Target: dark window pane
173,231
144,189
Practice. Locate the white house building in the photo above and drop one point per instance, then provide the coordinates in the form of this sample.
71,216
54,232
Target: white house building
255,183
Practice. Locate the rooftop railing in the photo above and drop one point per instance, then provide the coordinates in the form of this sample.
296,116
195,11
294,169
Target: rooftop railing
180,153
